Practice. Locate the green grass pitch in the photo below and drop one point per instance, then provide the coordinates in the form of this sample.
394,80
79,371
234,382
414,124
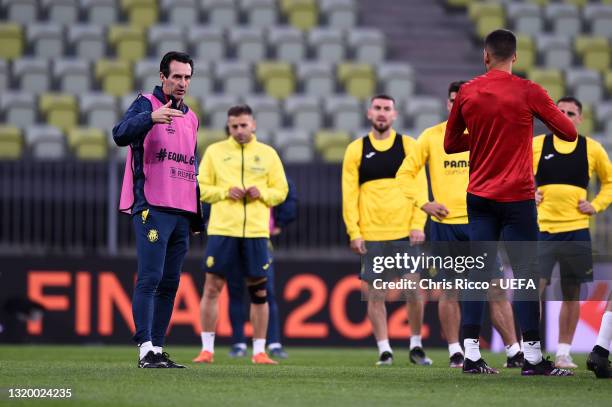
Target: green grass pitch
313,377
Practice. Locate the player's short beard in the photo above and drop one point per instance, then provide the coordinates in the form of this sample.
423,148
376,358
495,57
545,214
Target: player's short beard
380,128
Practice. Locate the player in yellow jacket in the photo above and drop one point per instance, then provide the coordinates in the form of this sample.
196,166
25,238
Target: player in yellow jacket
375,208
449,177
242,179
563,170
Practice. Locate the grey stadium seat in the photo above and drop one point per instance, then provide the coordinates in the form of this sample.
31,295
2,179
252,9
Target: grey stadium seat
202,80
167,38
586,85
556,50
600,18
103,12
236,77
147,74
604,116
339,13
564,18
292,136
305,112
74,75
318,78
424,111
261,13
215,109
249,43
88,40
99,109
368,45
527,17
208,42
33,74
21,11
47,40
397,79
4,75
288,43
181,12
268,114
346,112
46,142
19,108
221,13
62,11
297,153
329,44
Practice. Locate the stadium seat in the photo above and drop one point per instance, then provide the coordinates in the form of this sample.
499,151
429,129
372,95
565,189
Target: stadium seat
11,37
11,142
585,84
277,78
88,41
235,76
556,50
525,54
359,80
180,12
208,137
147,74
564,18
595,52
202,80
99,109
316,78
73,75
331,144
302,14
128,41
165,38
46,142
604,117
62,11
215,109
207,42
101,12
127,100
368,45
586,127
292,136
249,44
33,74
115,76
194,105
328,43
4,75
88,143
608,81
141,13
267,114
288,44
47,40
221,13
600,18
297,154
339,13
305,112
549,79
397,79
425,112
260,13
21,11
19,108
60,110
526,17
487,17
345,112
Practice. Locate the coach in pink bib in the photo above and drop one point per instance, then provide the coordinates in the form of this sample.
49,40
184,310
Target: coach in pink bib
160,192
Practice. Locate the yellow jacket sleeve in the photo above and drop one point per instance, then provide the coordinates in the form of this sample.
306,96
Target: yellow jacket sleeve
350,189
538,144
277,189
419,217
414,162
603,169
209,191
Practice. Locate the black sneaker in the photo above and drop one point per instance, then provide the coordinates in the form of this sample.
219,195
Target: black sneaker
515,361
599,365
456,361
151,361
545,368
418,357
278,353
385,359
169,362
478,367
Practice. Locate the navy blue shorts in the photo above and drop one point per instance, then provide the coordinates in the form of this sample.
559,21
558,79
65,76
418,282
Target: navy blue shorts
249,256
572,250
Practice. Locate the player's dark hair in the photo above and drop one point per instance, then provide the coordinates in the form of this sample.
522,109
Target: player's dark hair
239,110
164,65
501,44
571,99
454,87
382,96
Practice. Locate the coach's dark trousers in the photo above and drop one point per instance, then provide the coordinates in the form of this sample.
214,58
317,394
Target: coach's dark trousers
162,240
516,223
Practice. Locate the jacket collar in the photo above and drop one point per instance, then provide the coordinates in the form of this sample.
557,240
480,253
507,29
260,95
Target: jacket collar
159,94
234,143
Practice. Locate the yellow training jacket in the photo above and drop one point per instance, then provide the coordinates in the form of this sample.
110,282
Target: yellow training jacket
229,164
449,174
379,210
558,211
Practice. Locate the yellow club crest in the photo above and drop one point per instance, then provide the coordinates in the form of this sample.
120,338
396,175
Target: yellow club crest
210,261
153,235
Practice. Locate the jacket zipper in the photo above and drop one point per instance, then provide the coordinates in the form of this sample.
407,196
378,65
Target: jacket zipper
244,200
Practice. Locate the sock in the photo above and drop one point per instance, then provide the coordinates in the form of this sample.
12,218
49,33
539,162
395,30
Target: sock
533,352
454,348
275,345
472,349
145,348
605,331
158,349
384,346
563,349
512,350
240,345
259,345
415,342
208,341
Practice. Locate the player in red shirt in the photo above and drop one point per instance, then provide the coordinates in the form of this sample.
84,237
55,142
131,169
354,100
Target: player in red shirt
498,109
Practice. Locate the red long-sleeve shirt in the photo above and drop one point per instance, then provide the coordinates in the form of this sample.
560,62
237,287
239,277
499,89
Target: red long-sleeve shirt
497,109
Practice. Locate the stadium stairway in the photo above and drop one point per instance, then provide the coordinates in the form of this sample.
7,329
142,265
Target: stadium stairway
436,42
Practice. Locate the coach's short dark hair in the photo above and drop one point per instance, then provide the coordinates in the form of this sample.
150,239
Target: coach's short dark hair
164,65
454,87
501,44
571,99
382,96
239,110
